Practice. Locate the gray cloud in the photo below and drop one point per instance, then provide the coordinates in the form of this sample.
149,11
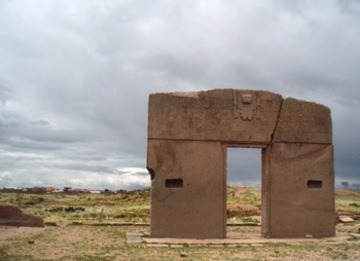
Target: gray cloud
75,76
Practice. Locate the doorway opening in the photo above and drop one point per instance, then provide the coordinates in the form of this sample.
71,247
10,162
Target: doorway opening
243,186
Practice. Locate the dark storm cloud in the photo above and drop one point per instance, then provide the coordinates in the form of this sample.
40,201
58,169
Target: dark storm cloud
75,76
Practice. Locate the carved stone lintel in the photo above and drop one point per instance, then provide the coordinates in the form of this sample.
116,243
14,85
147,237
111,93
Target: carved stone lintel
246,105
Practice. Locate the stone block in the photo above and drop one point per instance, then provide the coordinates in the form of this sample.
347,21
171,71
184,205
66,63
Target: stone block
188,137
187,199
298,190
303,122
219,115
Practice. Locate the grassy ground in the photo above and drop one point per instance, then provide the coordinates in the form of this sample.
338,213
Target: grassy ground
68,242
134,206
108,243
347,202
130,207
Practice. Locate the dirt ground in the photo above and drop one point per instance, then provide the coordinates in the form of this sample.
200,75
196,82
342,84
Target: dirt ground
83,242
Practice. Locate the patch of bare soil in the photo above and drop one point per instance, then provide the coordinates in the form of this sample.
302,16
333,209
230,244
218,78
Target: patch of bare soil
241,191
242,210
345,192
85,242
10,232
56,243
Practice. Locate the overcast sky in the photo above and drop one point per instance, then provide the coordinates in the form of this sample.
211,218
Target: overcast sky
75,77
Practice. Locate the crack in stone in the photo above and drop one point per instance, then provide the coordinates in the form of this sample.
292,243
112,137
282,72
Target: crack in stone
277,121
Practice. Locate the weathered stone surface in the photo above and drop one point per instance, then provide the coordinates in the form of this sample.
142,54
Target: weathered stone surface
134,237
218,115
298,186
13,216
346,219
189,188
303,122
188,137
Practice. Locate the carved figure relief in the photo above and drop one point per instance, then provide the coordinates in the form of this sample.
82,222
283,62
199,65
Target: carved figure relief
246,106
188,139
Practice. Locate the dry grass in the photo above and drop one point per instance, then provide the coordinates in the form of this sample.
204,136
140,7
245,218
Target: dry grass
67,242
108,243
132,206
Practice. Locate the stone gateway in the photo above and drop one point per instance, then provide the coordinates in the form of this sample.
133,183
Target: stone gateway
188,137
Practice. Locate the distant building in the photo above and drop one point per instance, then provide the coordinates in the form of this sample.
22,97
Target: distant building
10,190
51,189
66,189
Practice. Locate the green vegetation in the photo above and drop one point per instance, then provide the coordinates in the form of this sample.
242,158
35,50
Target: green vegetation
132,206
243,195
104,249
67,242
348,202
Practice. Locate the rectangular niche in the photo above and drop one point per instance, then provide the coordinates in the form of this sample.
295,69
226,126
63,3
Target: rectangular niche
314,184
174,183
